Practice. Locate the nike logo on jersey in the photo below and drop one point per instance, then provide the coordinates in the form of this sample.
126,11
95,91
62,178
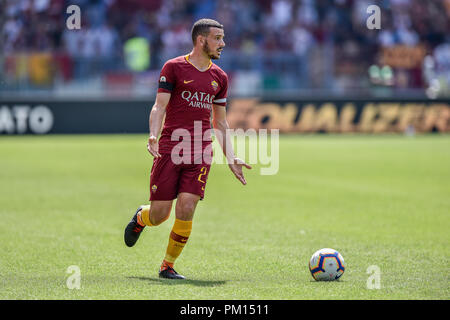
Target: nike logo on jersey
185,82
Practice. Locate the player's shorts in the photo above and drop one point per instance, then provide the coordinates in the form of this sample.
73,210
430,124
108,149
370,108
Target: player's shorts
168,179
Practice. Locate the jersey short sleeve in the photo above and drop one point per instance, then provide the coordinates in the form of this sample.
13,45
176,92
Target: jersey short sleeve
221,97
167,78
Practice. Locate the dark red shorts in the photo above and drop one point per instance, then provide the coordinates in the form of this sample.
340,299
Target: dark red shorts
168,179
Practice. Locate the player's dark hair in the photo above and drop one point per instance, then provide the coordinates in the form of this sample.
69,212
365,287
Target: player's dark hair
201,27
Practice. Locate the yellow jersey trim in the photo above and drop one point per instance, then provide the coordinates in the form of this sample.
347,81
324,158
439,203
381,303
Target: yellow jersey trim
186,57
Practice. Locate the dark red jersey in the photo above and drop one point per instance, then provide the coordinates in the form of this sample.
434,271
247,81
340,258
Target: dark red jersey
193,92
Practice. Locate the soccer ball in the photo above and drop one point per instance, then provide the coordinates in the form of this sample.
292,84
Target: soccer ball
326,265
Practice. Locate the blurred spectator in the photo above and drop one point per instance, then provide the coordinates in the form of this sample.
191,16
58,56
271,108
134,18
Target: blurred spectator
297,44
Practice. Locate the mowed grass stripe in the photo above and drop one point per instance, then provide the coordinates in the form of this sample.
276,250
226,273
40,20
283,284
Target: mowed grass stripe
379,200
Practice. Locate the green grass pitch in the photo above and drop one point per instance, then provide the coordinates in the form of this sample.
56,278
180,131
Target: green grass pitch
379,200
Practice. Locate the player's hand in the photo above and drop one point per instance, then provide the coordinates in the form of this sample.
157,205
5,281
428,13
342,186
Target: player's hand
152,146
236,168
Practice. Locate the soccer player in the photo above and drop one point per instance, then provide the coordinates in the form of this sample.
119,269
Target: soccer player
191,87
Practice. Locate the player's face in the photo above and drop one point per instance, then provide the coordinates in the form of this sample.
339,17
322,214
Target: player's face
214,43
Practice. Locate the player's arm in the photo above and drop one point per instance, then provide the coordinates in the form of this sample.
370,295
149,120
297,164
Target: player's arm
156,119
222,134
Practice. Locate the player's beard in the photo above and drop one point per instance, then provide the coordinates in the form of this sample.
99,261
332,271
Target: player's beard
208,51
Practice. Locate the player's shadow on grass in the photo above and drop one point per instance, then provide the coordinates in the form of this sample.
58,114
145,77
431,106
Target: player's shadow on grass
335,281
198,283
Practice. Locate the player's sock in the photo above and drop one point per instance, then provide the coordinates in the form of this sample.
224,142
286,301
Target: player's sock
177,240
165,264
143,217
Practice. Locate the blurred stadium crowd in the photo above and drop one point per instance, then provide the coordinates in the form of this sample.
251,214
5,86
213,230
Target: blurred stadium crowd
280,46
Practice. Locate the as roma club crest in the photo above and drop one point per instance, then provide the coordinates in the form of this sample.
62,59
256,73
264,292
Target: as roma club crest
154,188
214,85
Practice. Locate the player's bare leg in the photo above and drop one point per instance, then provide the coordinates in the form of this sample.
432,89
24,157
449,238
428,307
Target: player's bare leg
146,215
159,212
184,213
185,206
